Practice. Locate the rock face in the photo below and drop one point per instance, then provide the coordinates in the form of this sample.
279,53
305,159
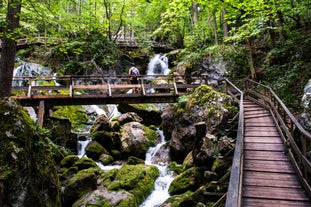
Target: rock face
203,105
28,174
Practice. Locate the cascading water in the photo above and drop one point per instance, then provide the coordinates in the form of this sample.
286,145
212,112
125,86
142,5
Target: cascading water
158,65
162,183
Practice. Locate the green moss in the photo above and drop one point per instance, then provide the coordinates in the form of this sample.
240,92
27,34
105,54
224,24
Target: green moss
136,179
190,179
151,134
76,115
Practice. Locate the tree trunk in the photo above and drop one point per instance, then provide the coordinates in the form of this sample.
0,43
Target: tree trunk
224,24
195,13
8,50
215,29
250,59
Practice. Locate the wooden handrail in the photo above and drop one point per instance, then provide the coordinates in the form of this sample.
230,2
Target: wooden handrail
235,186
295,136
111,85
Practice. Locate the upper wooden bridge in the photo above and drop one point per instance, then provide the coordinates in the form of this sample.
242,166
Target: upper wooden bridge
270,166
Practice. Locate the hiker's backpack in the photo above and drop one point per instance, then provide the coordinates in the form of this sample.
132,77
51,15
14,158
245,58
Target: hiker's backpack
134,72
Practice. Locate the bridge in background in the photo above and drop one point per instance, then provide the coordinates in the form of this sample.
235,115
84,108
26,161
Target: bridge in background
121,42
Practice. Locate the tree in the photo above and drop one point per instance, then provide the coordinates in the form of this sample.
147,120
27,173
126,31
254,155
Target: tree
8,50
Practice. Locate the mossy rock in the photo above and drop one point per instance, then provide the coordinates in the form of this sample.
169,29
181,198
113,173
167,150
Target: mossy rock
135,179
69,161
134,160
85,163
189,180
94,150
106,159
80,184
26,160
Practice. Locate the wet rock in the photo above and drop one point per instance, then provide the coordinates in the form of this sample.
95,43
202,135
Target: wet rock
94,150
189,180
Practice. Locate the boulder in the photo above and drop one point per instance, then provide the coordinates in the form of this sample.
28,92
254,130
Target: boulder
127,186
80,184
101,124
94,150
129,117
189,180
136,139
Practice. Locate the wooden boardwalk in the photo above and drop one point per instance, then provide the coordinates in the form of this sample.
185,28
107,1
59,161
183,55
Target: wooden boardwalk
269,178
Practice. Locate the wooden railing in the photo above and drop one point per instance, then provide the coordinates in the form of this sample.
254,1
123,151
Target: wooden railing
234,193
297,139
75,86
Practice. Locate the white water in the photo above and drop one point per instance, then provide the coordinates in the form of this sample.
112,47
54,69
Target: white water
162,183
158,65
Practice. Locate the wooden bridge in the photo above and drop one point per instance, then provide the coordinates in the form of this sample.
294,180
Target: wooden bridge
47,92
270,165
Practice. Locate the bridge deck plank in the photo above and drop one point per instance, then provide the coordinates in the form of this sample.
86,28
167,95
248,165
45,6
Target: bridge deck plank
269,179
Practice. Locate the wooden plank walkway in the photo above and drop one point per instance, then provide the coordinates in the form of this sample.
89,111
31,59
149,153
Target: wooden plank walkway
269,179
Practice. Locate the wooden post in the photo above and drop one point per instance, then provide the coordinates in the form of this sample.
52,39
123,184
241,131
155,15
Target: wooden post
41,112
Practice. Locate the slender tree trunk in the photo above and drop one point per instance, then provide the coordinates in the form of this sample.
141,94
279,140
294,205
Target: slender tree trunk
215,29
8,50
195,13
250,59
224,24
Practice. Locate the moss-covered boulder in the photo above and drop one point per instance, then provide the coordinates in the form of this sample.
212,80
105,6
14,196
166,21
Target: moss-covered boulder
69,161
127,186
94,150
28,173
136,139
189,180
106,159
80,184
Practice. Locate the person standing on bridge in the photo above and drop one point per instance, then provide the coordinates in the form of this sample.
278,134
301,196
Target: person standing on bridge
133,74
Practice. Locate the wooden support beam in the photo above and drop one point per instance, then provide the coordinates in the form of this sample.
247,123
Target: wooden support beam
41,112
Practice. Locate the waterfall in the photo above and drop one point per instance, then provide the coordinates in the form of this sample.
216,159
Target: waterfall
162,183
158,65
